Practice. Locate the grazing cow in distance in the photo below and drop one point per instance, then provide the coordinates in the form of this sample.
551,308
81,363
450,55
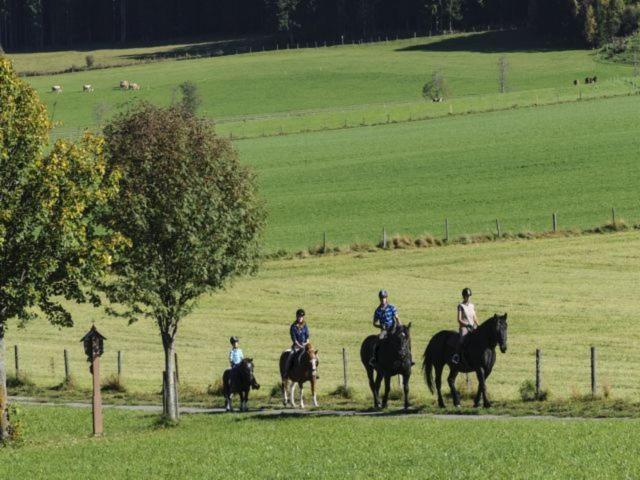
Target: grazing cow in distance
576,82
134,86
87,88
56,89
124,84
587,80
594,79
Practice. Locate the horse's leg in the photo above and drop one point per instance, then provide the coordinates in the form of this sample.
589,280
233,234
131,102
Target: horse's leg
313,392
301,385
387,389
285,399
227,403
292,391
451,380
482,389
405,386
439,369
243,401
376,391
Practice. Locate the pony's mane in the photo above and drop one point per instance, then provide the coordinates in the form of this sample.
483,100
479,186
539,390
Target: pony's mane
308,347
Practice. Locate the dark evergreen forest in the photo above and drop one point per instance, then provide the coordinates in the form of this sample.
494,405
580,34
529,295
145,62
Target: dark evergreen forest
37,24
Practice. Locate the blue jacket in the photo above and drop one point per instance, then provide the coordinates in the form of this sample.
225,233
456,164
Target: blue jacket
301,335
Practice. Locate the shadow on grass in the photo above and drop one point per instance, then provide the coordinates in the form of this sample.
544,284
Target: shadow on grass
493,42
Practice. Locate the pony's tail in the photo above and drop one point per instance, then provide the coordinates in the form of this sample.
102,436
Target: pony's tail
427,366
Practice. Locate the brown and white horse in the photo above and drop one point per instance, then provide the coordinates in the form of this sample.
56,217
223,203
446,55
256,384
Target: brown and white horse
304,368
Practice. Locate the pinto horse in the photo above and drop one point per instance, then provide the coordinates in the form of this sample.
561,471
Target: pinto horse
393,358
240,380
478,355
304,368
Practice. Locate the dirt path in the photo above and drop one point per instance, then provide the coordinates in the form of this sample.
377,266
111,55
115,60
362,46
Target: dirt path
296,412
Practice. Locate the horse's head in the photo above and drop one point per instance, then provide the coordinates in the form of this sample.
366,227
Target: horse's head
403,334
314,361
247,369
501,331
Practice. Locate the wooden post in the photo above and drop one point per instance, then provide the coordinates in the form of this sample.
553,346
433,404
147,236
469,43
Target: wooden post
119,364
384,237
446,229
498,228
16,358
324,242
67,372
175,359
613,216
593,372
538,379
554,222
97,397
344,368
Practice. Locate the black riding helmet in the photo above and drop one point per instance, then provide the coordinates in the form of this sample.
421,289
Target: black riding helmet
466,292
300,312
233,340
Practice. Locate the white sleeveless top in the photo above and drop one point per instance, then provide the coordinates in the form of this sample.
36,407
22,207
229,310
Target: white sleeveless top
468,311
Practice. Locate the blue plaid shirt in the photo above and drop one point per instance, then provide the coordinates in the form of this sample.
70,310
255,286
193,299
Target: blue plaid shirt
385,316
235,356
300,335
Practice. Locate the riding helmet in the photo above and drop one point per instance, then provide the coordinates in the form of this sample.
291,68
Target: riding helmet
300,312
234,340
383,293
466,292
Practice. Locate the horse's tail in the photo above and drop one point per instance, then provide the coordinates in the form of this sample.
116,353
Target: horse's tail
427,365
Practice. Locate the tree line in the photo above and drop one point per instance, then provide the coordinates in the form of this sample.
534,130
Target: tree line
35,24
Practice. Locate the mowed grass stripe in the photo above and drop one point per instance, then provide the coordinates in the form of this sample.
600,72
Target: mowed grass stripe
562,295
519,166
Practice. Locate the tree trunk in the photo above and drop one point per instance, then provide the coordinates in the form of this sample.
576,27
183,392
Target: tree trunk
170,393
4,398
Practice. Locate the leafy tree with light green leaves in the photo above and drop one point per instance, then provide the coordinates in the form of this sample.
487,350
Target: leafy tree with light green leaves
50,245
192,215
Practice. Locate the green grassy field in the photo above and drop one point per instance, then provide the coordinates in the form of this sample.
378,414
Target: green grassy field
519,166
562,295
57,445
327,78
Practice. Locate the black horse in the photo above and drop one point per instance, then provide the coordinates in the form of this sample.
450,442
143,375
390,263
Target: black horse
240,380
478,355
393,358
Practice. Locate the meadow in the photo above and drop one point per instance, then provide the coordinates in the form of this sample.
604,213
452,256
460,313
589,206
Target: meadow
57,445
518,161
562,295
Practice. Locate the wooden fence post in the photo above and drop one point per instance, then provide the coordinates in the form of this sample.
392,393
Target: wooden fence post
538,379
593,372
119,364
344,368
16,358
498,228
324,242
446,229
613,216
554,222
67,372
384,237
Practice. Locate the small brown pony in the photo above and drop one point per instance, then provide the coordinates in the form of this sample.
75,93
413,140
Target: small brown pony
304,368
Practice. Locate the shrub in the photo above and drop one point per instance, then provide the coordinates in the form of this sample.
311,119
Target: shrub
528,392
342,392
67,384
89,60
216,389
191,99
276,391
436,89
113,383
21,381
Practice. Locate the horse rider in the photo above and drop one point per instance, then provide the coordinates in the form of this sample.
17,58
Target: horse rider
235,355
385,317
299,337
467,322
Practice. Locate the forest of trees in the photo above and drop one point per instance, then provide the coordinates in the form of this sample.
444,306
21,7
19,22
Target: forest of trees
36,24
